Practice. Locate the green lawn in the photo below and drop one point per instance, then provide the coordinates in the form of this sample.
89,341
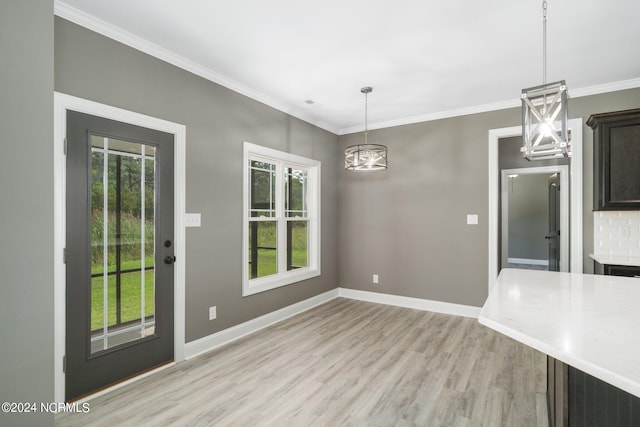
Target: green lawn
130,291
267,261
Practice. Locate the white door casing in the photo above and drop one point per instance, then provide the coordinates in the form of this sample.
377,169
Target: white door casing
62,103
575,172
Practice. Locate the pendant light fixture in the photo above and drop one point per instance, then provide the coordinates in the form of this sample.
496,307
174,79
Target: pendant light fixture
365,157
544,113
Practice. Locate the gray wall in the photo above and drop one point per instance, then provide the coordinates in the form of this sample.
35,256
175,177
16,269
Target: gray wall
218,120
510,157
529,216
26,210
407,224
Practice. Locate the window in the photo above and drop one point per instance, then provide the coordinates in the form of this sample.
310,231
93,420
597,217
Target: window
281,226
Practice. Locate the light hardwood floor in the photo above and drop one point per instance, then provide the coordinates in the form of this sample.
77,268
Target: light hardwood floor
348,363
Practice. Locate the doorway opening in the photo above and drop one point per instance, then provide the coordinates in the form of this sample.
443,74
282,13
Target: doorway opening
534,218
575,198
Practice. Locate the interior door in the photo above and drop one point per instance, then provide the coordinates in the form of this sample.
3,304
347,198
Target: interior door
554,223
119,241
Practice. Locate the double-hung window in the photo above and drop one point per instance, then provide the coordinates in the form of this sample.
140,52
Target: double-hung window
281,226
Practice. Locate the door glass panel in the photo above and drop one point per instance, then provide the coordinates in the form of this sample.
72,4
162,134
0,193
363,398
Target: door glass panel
122,242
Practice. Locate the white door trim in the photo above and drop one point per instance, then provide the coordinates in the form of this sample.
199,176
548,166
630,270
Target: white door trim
575,171
62,103
563,170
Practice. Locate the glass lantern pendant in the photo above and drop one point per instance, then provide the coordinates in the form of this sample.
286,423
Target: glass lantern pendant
544,122
544,113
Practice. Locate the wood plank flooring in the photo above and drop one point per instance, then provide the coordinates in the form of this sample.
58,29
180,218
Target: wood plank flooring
346,363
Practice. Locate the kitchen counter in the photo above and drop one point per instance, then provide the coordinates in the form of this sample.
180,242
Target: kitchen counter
590,322
633,261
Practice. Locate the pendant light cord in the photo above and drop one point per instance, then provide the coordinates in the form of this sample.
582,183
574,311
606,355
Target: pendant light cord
544,42
366,115
366,90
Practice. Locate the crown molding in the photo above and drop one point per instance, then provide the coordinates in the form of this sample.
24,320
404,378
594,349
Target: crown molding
434,116
111,31
604,88
574,93
81,18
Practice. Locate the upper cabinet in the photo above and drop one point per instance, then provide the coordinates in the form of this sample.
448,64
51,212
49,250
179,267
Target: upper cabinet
616,160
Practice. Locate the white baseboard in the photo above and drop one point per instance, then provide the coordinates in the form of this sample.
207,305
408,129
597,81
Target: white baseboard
210,342
410,302
528,261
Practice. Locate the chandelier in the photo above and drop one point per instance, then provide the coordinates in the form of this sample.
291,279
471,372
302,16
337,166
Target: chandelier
365,157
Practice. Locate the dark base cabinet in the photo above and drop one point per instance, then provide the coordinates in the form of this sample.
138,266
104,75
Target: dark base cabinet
595,403
621,270
577,399
616,270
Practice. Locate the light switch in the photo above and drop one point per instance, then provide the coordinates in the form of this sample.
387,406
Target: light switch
192,220
472,219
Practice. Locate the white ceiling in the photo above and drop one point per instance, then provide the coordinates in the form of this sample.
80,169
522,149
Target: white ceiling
425,59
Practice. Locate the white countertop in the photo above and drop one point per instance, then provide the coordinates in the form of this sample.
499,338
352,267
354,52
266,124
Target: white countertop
591,322
616,259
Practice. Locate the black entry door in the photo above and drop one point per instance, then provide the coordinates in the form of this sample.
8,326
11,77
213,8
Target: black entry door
119,272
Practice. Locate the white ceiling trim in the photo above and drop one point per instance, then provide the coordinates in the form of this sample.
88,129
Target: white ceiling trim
604,88
83,19
434,116
574,93
79,17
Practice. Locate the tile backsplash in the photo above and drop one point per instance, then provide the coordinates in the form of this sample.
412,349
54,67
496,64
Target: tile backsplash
616,233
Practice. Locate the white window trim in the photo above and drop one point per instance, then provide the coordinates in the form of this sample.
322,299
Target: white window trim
283,278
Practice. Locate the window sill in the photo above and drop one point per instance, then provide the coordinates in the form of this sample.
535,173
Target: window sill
276,281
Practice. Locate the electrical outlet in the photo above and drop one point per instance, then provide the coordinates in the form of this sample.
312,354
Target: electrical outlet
376,279
212,313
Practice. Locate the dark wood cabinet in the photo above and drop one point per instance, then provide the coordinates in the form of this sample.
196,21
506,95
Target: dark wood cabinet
616,270
594,403
621,270
616,160
577,399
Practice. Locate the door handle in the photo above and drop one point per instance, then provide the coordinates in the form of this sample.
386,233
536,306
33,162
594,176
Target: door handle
169,259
